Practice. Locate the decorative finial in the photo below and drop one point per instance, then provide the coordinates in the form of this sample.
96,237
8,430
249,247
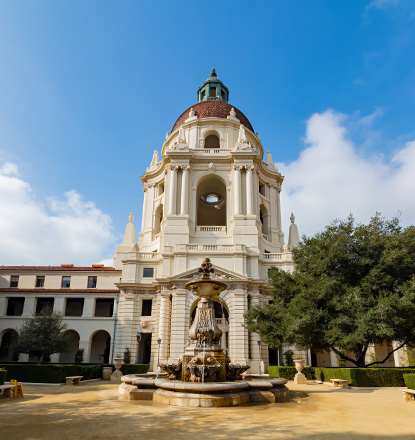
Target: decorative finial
206,268
292,218
167,135
232,113
131,217
213,73
191,113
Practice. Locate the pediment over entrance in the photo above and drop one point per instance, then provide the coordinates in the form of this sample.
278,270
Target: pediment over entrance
219,274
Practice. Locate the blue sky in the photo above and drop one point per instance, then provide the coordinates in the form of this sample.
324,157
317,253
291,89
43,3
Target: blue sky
89,89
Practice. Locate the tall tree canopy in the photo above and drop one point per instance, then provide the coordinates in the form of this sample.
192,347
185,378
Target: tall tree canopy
42,336
353,286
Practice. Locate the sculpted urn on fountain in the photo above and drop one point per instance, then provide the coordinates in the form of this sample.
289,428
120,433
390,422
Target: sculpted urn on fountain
204,359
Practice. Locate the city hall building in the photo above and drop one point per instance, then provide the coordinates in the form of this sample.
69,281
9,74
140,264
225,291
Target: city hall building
210,193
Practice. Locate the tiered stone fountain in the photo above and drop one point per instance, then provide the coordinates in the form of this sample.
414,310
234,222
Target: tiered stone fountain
204,375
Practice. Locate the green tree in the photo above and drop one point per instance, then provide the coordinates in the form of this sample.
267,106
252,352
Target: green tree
353,286
42,336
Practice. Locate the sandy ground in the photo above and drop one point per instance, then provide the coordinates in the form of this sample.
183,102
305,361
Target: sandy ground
93,411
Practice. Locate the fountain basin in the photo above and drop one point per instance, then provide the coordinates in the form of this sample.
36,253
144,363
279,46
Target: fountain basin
199,387
206,288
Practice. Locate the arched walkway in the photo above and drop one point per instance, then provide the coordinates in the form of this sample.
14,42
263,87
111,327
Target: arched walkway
100,347
73,338
7,345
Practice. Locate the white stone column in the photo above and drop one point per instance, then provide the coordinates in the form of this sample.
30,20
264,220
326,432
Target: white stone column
143,220
59,304
238,335
179,328
3,306
164,326
237,189
279,208
29,306
249,190
185,191
173,190
253,337
88,307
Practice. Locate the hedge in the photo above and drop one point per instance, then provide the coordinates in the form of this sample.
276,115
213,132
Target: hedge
409,381
134,368
44,373
289,372
358,377
56,373
3,375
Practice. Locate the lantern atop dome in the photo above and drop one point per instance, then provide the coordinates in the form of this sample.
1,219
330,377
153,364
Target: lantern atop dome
213,89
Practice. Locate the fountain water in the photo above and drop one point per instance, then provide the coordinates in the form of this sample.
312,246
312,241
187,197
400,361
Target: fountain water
204,375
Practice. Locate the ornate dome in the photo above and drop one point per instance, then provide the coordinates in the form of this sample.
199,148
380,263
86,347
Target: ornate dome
212,109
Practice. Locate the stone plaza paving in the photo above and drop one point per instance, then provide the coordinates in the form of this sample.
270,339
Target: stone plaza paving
94,411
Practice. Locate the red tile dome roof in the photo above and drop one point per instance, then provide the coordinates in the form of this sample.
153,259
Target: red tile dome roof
212,109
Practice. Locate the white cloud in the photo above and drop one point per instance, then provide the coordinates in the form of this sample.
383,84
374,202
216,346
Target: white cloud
65,230
381,4
330,179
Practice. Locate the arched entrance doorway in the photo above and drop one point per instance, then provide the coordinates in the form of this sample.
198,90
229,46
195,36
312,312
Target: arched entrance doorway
73,340
100,347
8,344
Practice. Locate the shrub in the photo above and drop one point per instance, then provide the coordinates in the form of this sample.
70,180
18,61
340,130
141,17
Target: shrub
79,356
134,368
409,381
127,355
289,372
365,377
358,377
50,373
3,375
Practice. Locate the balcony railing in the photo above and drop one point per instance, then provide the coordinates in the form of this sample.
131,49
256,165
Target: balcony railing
213,150
210,228
210,247
270,256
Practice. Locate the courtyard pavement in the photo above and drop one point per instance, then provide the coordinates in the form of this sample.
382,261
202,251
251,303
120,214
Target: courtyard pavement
93,411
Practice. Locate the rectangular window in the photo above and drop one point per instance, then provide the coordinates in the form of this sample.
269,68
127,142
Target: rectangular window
146,306
14,281
15,307
212,92
104,307
148,272
40,281
74,307
66,282
92,282
44,303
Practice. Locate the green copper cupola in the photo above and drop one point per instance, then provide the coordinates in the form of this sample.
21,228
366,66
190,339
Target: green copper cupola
213,89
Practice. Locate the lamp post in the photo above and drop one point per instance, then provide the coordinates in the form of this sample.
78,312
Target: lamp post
138,345
158,356
259,356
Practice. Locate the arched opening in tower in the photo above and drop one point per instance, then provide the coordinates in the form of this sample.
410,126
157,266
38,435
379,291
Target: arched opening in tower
264,217
211,202
158,219
212,141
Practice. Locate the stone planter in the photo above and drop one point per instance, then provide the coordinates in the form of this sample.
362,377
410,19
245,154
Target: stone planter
299,378
106,373
116,375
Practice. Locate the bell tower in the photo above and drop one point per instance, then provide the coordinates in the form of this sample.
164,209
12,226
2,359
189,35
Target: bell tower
210,193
